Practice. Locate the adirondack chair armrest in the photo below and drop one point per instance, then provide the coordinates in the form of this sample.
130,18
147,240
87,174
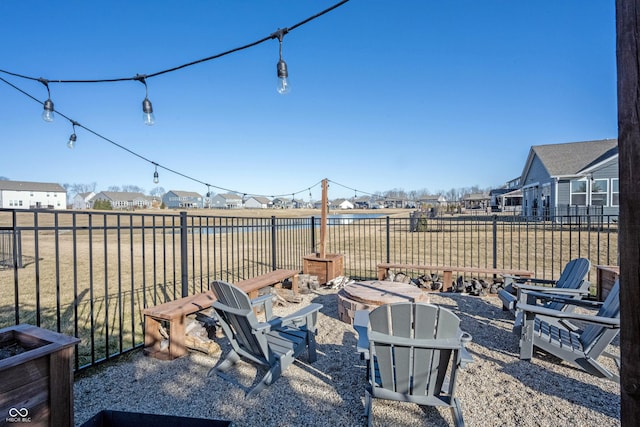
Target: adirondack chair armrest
530,297
361,325
567,291
510,278
609,322
265,301
306,316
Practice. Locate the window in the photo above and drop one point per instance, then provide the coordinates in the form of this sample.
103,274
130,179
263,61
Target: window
20,203
599,192
615,192
579,192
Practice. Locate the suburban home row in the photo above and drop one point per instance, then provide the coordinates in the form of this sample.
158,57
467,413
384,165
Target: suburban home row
557,179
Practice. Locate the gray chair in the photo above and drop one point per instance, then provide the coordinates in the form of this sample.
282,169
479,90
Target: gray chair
579,346
572,283
408,348
275,343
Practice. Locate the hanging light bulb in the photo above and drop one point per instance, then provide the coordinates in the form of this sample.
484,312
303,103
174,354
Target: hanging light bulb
156,177
47,113
283,74
147,109
72,139
147,112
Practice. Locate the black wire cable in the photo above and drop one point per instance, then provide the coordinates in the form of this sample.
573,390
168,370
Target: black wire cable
142,78
276,34
168,169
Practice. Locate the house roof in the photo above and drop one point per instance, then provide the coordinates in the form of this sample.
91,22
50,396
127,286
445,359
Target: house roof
570,158
31,186
122,196
229,196
185,193
263,200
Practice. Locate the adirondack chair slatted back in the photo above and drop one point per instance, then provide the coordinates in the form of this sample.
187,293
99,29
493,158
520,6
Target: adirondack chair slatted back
241,318
573,276
594,336
404,368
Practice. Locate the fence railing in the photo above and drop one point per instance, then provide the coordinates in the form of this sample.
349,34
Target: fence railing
90,274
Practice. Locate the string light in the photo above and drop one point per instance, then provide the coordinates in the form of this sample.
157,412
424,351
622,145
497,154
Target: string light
147,109
283,74
47,113
72,139
149,118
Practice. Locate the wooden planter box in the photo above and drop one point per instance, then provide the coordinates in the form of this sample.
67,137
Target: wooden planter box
607,276
327,268
36,368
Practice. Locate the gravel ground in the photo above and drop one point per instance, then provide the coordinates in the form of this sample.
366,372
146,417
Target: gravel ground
497,389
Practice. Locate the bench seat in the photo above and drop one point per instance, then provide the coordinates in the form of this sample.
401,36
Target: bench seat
176,312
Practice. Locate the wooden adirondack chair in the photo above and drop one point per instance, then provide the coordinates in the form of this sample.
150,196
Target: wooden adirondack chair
408,347
275,343
582,347
572,283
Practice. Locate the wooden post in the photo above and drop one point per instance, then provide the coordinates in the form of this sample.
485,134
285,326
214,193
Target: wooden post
323,221
627,49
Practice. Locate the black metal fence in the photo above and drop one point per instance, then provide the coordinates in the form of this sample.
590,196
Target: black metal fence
90,274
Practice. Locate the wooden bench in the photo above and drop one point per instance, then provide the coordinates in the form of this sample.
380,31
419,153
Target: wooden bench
447,271
176,312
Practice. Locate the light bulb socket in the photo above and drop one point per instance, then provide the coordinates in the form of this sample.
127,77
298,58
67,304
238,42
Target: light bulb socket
282,69
47,114
146,106
72,141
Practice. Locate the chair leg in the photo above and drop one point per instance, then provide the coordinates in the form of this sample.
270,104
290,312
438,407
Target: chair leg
368,407
227,363
311,345
456,411
272,375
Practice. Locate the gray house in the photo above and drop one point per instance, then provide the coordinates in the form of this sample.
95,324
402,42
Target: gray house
257,202
123,200
573,178
175,199
226,201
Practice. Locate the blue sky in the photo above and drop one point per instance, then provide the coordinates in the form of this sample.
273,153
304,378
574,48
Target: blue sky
408,95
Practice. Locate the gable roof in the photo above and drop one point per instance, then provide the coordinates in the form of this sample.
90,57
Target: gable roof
570,158
185,193
260,199
121,196
31,186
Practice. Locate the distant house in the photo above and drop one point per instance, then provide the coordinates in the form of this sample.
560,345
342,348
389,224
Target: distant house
507,198
434,201
32,195
282,203
123,200
257,202
226,201
83,200
571,178
175,199
342,204
476,201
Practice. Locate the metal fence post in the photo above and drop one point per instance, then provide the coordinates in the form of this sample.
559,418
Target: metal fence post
184,264
313,234
388,240
274,257
495,241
